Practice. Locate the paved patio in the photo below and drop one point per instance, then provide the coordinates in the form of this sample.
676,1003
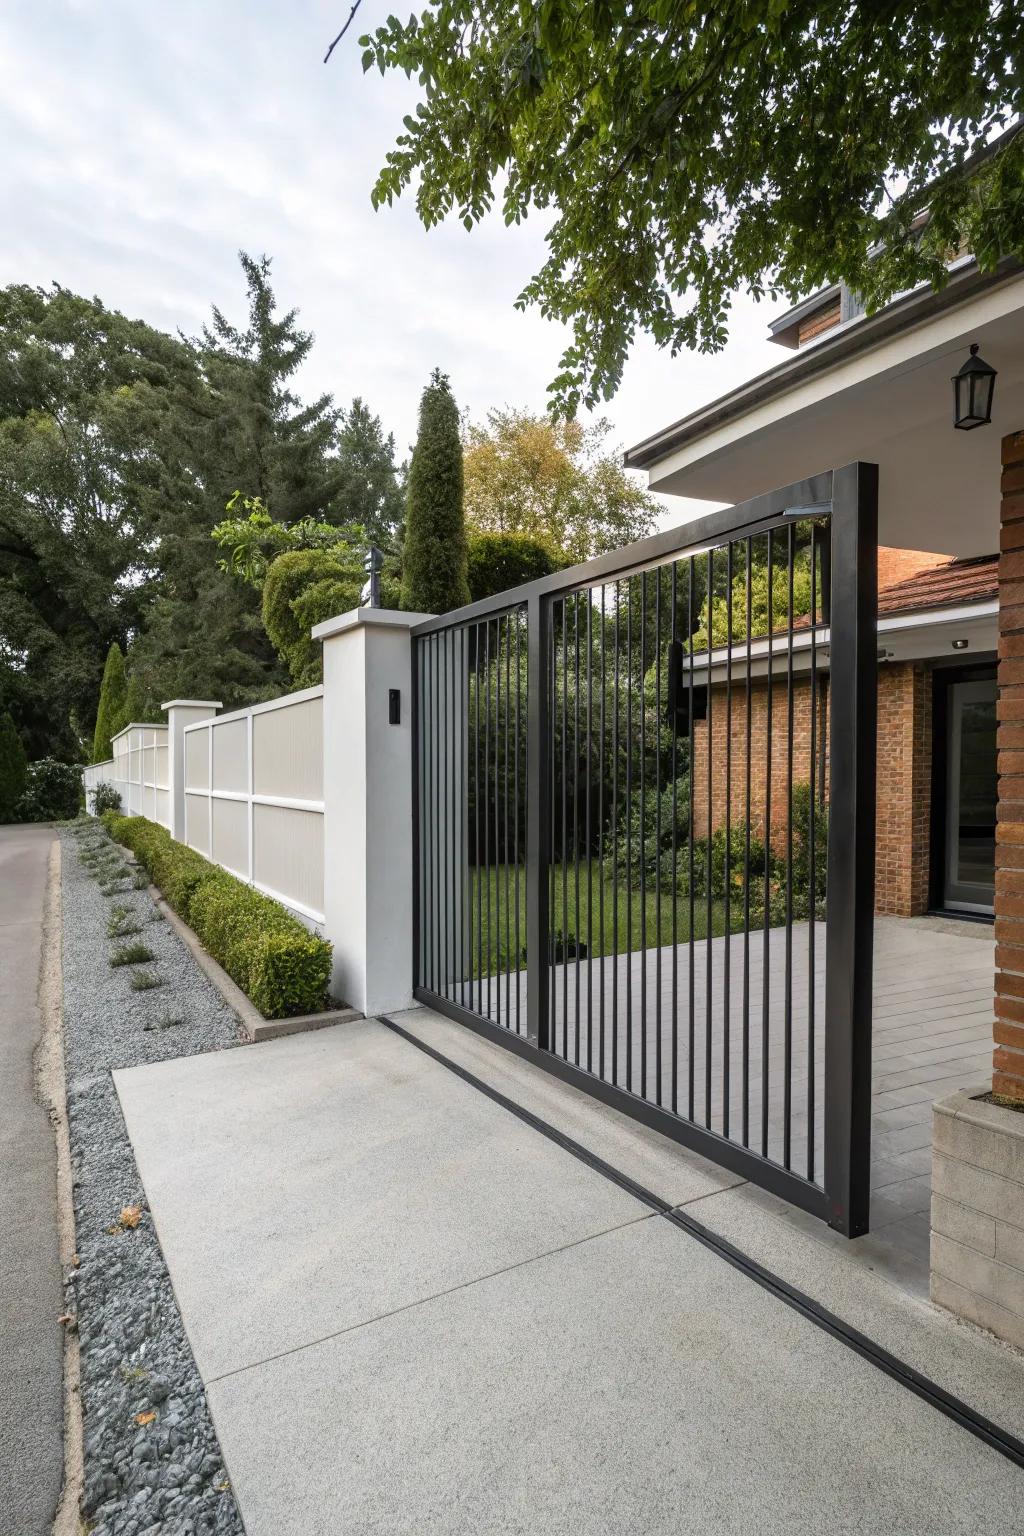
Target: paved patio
413,1313
932,1034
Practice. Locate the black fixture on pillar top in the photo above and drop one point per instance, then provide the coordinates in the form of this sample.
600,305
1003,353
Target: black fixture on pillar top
973,387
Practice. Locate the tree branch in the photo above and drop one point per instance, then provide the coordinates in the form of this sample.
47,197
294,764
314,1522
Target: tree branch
341,34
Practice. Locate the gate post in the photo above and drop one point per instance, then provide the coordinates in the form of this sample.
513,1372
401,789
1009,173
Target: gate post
368,830
849,939
538,811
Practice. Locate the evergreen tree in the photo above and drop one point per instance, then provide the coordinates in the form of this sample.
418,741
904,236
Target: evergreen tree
434,577
250,433
113,693
13,768
370,490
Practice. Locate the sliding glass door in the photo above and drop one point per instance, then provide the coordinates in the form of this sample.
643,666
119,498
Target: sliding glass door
968,875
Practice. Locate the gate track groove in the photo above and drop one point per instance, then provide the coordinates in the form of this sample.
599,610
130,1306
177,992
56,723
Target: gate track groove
984,1429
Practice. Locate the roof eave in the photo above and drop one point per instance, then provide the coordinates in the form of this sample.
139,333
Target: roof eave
903,313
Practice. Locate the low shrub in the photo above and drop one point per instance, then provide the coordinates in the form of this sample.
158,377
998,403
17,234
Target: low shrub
105,798
280,966
131,954
144,981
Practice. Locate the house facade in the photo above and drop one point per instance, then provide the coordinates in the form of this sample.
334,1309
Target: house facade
935,827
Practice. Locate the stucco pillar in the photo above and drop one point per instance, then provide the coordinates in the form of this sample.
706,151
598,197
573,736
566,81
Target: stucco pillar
181,712
368,852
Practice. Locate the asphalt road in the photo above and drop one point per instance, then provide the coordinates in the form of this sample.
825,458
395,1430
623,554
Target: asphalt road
31,1347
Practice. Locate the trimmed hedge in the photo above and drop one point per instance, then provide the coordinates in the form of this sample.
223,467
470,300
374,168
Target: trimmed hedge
280,966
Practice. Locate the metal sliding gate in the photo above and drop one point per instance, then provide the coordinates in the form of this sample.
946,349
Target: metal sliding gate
644,804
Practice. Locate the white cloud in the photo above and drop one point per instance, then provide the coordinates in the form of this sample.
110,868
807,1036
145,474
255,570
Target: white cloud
144,145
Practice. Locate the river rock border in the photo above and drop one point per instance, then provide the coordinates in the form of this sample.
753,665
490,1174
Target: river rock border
153,1466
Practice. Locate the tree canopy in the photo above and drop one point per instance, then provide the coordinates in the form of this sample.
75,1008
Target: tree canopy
688,151
555,481
85,459
120,446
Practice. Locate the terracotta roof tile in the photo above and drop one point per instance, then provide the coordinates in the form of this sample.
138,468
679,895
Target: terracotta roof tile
938,586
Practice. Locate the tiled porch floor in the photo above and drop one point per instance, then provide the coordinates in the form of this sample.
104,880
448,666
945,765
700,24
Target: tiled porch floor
932,1034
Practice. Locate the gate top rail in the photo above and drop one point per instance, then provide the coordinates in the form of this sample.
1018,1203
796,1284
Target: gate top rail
810,497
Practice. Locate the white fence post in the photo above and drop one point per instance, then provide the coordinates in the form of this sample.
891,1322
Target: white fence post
368,806
181,712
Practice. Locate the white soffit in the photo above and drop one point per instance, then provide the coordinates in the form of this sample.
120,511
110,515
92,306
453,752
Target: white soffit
891,405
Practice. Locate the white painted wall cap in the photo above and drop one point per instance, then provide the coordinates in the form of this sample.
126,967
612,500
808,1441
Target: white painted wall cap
384,618
192,704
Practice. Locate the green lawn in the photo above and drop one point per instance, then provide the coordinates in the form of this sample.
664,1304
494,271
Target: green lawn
595,928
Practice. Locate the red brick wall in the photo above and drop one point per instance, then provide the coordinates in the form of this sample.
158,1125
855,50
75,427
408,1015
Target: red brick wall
904,772
1008,1032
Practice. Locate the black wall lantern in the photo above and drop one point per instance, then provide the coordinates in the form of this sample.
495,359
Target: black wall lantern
972,393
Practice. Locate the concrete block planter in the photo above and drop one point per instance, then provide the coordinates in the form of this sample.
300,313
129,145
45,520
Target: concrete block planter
977,1243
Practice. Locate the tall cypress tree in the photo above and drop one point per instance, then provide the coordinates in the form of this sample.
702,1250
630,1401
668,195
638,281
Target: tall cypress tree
434,577
113,693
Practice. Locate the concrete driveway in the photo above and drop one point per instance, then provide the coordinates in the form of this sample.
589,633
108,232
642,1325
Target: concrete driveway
31,1297
415,1313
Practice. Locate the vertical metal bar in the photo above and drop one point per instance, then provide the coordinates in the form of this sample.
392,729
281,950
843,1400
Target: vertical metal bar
477,849
538,790
497,820
445,826
576,817
746,859
692,798
709,883
766,952
601,813
643,837
629,834
658,717
565,831
588,833
812,874
727,903
787,1089
435,801
552,810
515,815
464,886
615,847
487,798
851,864
673,725
508,882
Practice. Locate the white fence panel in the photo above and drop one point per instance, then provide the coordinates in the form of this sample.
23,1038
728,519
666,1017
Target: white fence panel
138,771
254,797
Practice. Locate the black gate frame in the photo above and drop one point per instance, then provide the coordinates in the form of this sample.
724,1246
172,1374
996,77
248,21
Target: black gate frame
849,498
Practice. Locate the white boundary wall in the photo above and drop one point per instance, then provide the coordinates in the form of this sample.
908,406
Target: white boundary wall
139,771
254,797
307,797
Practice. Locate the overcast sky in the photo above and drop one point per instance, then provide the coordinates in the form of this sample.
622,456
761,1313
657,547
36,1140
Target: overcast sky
142,142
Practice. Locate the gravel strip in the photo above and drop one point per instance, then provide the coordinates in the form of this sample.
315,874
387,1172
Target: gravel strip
164,1474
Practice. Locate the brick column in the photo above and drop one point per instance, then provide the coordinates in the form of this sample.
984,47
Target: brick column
1008,1056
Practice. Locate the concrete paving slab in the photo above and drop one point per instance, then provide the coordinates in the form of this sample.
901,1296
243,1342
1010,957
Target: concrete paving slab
329,1178
630,1384
844,1277
671,1171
